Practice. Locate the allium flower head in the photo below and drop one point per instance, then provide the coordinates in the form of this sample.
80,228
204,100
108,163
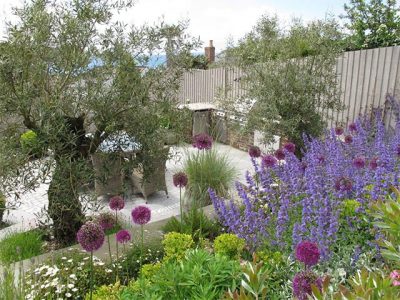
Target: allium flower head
202,141
141,215
117,203
395,275
343,184
123,236
254,151
105,220
339,130
359,162
279,154
302,284
308,253
290,147
353,127
180,179
373,164
268,161
348,139
90,236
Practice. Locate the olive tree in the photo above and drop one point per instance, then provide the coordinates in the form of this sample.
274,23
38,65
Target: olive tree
75,77
289,77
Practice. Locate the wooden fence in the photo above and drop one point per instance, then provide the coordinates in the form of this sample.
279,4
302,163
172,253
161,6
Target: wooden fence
364,78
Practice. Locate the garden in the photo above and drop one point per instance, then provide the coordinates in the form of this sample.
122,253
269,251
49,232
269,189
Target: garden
317,218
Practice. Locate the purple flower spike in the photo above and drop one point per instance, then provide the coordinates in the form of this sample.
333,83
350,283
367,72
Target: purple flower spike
180,179
348,139
268,161
123,236
106,221
302,284
254,151
117,203
353,127
279,154
141,215
339,130
90,236
290,147
308,253
202,141
359,162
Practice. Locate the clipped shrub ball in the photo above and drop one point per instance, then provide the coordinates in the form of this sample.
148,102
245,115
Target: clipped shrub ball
229,245
175,245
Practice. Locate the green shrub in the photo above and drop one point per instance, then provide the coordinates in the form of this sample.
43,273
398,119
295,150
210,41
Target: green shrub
20,246
176,244
30,144
2,207
107,292
148,270
130,262
69,275
208,169
191,222
199,275
229,244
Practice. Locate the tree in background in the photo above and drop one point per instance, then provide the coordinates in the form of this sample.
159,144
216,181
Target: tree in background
290,77
74,77
373,24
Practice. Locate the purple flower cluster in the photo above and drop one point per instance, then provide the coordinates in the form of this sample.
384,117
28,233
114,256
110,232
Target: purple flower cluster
308,253
302,282
90,236
106,221
202,141
301,199
254,151
123,236
141,215
117,203
180,179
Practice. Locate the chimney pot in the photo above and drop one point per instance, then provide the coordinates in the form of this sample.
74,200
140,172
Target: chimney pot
209,52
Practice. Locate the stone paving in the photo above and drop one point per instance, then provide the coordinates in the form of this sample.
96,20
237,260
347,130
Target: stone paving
25,216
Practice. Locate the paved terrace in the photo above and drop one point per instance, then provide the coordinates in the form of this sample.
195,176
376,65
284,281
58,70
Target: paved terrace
31,204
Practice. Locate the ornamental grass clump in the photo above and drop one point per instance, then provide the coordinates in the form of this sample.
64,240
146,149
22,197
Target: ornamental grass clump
300,199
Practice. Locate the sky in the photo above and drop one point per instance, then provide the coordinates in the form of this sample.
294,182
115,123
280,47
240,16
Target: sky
217,20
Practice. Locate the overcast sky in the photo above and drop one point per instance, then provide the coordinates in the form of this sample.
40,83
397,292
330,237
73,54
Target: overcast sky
216,20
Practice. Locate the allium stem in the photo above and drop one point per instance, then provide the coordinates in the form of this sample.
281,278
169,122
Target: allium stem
116,245
180,203
141,248
109,247
91,275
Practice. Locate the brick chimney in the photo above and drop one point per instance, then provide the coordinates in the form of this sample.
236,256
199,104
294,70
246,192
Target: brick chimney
209,52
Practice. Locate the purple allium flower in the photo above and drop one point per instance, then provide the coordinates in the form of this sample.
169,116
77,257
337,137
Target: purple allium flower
353,127
117,203
123,236
180,179
279,154
343,184
202,141
90,236
141,215
302,284
268,161
373,164
254,151
308,253
339,130
105,220
348,139
359,162
290,147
